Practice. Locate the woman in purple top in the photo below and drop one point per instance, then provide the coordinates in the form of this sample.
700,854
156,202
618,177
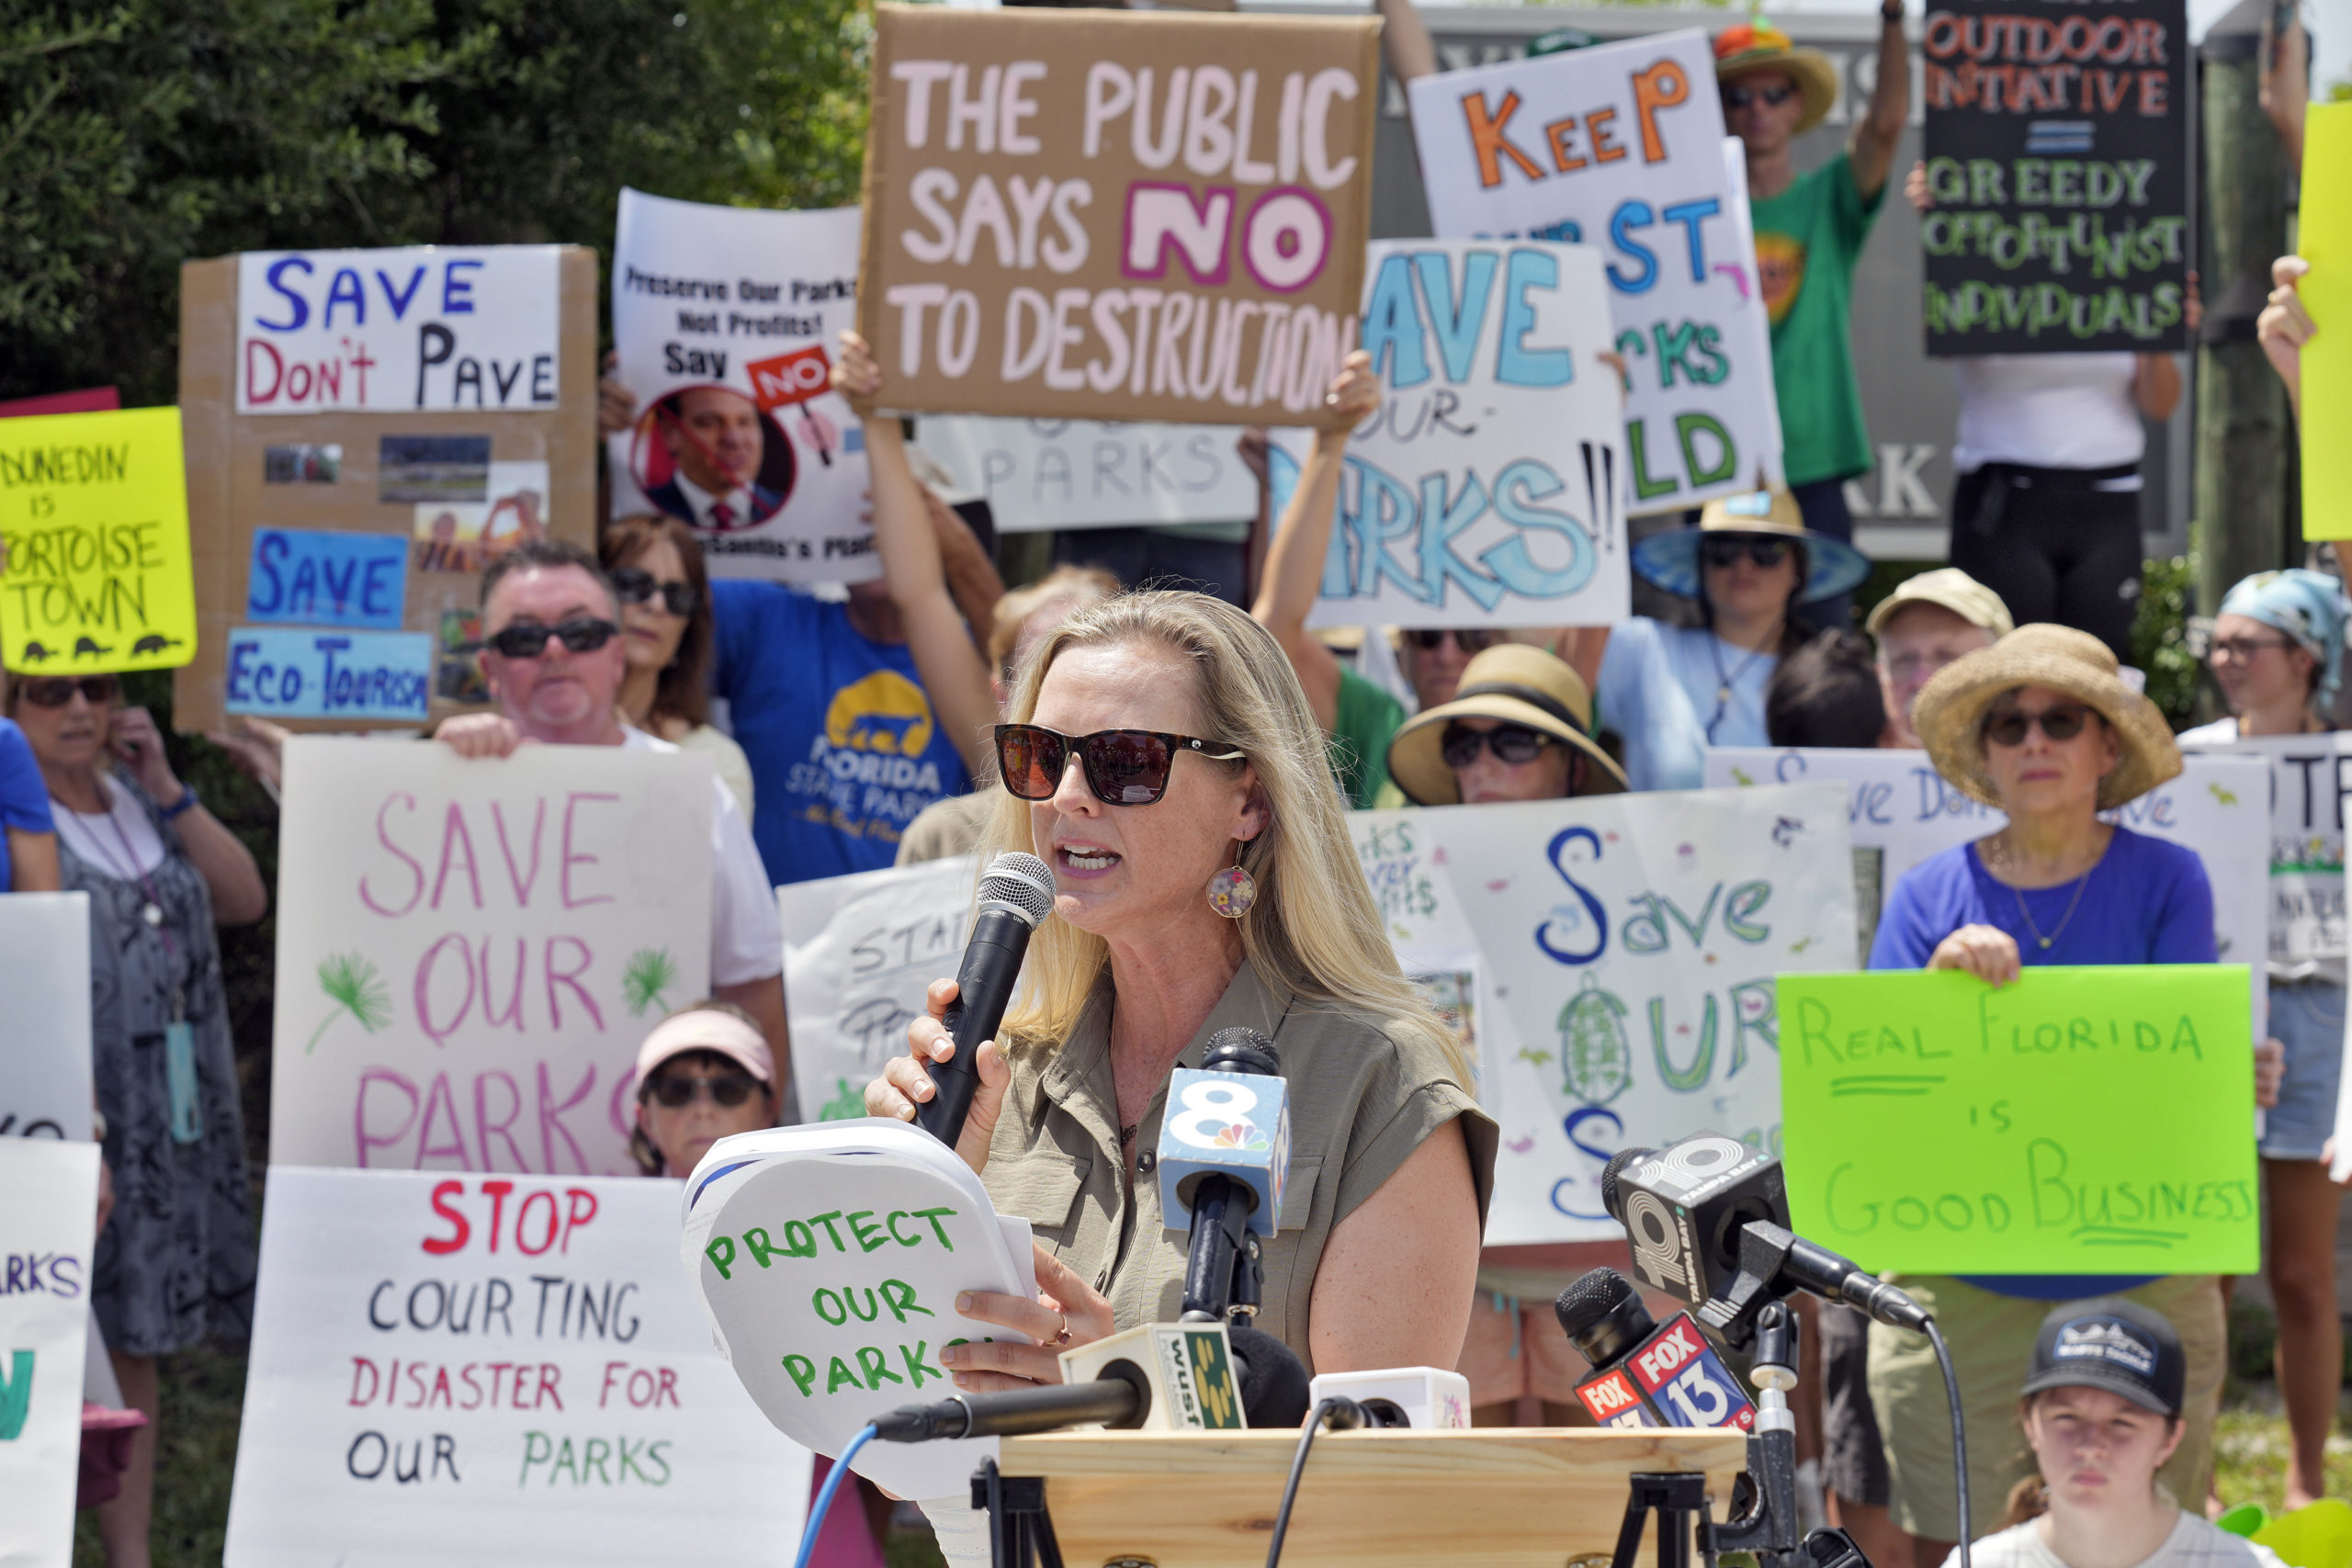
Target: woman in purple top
2043,728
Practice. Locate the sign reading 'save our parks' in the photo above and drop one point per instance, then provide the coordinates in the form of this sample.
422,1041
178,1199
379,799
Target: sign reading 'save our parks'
2078,1121
49,1198
96,574
2057,145
1621,147
1103,215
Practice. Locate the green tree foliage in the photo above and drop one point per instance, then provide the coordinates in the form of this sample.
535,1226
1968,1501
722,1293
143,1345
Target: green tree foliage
135,137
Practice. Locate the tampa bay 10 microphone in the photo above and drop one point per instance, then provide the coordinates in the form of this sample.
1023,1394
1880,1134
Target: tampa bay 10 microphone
1015,894
1708,1218
1646,1374
1223,1156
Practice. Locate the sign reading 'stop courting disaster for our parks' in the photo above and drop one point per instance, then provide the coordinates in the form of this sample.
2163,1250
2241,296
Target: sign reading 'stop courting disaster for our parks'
1621,147
94,569
1486,488
2057,145
1106,215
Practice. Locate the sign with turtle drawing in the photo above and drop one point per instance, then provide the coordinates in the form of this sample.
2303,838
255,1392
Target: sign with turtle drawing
469,951
1625,950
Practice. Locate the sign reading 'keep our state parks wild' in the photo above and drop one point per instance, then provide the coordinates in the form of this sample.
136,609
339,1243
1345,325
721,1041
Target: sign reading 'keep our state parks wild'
1109,216
2057,145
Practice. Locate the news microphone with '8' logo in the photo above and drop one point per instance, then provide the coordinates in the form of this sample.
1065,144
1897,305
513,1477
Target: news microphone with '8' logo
1225,1122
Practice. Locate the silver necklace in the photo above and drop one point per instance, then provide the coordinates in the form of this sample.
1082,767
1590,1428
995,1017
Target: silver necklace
2072,904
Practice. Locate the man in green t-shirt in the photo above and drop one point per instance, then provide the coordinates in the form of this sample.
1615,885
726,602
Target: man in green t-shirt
1809,232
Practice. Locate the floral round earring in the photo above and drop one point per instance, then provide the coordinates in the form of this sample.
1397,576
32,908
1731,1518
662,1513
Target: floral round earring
1233,891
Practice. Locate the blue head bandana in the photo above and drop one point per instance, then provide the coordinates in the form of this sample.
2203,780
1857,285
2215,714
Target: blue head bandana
2309,606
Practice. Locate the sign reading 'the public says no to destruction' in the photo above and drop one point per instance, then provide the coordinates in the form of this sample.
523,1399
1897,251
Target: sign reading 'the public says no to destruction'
2057,158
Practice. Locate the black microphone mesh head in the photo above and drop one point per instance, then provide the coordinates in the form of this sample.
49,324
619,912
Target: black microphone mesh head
1273,1380
1241,1049
1023,881
1590,1299
1617,1163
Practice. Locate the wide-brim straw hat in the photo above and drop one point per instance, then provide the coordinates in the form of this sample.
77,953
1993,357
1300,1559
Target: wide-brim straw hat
1516,684
1761,46
1671,561
1951,709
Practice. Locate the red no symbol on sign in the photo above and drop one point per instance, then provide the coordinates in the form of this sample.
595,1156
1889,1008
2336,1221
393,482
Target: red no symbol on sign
789,378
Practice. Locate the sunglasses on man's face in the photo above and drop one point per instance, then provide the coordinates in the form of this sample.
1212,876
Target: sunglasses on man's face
636,586
57,691
2010,725
1723,554
677,1090
1470,642
529,639
1513,743
1123,767
1774,94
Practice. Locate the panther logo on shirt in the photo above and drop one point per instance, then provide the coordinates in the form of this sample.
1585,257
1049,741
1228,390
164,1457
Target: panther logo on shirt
1780,267
882,712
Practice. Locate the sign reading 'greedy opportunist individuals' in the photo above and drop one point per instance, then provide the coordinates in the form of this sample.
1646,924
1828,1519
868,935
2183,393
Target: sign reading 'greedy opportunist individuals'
1101,215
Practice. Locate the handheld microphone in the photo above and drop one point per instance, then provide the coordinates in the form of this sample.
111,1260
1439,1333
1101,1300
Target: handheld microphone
1015,894
1709,1222
1646,1374
1223,1156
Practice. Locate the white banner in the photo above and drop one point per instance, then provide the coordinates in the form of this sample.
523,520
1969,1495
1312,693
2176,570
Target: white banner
1628,946
469,951
1621,147
427,327
45,1085
1077,473
49,1216
471,1372
1486,491
859,952
2309,776
1900,811
726,320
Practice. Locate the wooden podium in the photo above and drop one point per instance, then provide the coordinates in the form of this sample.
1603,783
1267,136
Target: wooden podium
1493,1497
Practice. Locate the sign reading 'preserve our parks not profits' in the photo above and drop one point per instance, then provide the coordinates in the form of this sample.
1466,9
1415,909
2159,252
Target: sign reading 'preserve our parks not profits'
2077,1120
1099,215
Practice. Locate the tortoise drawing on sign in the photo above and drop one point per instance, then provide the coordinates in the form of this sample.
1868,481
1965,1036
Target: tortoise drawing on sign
87,648
1594,1054
34,654
155,642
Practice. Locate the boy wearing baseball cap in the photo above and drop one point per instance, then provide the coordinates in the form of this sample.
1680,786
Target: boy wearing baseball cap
2102,1412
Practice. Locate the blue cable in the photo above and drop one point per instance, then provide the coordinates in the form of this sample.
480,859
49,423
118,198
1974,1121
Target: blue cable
824,1503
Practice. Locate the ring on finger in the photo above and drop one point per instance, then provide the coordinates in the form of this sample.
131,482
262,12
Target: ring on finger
1062,1334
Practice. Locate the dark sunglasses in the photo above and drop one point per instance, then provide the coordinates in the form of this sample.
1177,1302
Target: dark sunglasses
1739,97
529,639
1512,743
1123,767
1426,638
2063,722
1723,553
677,1090
56,691
636,586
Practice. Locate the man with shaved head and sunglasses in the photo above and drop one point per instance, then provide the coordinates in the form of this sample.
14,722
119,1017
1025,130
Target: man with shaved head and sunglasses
553,656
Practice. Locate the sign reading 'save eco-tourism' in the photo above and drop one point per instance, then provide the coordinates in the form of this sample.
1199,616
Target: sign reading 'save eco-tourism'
1101,215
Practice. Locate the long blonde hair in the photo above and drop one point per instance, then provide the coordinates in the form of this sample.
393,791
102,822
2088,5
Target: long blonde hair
1314,929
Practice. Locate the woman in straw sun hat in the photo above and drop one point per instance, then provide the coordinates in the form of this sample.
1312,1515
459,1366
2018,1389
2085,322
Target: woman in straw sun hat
1673,690
1520,727
2041,727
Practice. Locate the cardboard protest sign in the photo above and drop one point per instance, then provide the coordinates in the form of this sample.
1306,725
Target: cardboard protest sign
1629,945
1935,1126
725,319
829,1260
469,951
485,1372
45,1086
1102,214
1622,146
859,952
2309,776
2324,238
1487,489
94,571
1037,473
1900,811
2057,152
367,431
49,1215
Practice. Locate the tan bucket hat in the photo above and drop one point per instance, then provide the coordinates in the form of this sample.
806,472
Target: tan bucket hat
1946,588
1951,709
1516,684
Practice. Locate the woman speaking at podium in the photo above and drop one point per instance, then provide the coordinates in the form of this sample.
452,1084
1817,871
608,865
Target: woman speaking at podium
1162,760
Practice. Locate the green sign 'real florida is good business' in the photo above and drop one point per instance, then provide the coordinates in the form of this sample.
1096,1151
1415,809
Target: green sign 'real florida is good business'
2077,1120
